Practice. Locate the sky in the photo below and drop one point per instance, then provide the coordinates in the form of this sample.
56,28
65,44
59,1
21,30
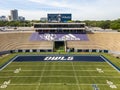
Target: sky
80,9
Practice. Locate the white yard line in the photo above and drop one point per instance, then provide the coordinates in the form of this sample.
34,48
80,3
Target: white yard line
59,76
54,84
57,70
49,70
37,87
52,65
75,76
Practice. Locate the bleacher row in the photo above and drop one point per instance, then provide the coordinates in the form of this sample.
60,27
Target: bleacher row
20,42
104,41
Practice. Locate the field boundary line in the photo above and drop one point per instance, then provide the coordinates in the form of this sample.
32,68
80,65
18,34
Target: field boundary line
54,84
58,70
59,76
111,64
7,63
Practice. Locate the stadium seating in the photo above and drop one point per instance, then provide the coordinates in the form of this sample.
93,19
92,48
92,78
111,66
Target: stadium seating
39,37
105,41
20,40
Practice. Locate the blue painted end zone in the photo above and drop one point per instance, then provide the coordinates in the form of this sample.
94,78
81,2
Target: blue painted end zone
59,58
83,58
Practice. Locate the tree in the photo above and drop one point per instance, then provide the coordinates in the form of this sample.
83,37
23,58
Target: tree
105,24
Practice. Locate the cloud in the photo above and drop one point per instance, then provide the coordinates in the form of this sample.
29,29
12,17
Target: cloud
55,3
4,12
81,9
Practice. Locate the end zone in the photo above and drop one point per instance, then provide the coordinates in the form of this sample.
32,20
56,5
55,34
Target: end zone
57,57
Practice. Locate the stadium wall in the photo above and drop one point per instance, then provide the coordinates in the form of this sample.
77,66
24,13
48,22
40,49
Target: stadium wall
5,52
51,50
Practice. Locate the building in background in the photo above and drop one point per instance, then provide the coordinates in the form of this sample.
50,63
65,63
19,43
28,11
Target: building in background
59,17
43,19
14,15
3,18
21,18
9,18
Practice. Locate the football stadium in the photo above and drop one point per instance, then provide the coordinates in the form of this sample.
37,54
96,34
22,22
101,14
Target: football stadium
58,55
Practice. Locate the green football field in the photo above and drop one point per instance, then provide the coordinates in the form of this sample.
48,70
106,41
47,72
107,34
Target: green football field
59,76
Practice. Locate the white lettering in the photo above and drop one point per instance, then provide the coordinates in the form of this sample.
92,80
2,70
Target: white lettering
58,58
70,58
63,58
46,58
66,17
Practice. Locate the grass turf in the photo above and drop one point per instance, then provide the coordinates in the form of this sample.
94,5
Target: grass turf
59,76
113,59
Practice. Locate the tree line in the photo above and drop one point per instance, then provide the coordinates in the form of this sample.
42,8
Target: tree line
104,24
15,23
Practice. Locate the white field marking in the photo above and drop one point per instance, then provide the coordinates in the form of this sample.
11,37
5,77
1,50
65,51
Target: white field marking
75,76
37,87
110,64
53,84
17,70
52,65
8,63
57,70
99,70
5,84
60,76
111,85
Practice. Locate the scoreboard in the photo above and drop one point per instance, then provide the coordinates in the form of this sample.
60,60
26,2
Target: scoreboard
59,17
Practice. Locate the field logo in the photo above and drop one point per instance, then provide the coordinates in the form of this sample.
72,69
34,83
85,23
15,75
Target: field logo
58,58
48,36
69,37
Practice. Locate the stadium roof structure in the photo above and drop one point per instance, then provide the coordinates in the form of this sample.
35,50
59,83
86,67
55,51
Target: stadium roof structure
59,26
59,23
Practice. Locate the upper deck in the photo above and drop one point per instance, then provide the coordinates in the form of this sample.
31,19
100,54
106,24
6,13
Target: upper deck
59,26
